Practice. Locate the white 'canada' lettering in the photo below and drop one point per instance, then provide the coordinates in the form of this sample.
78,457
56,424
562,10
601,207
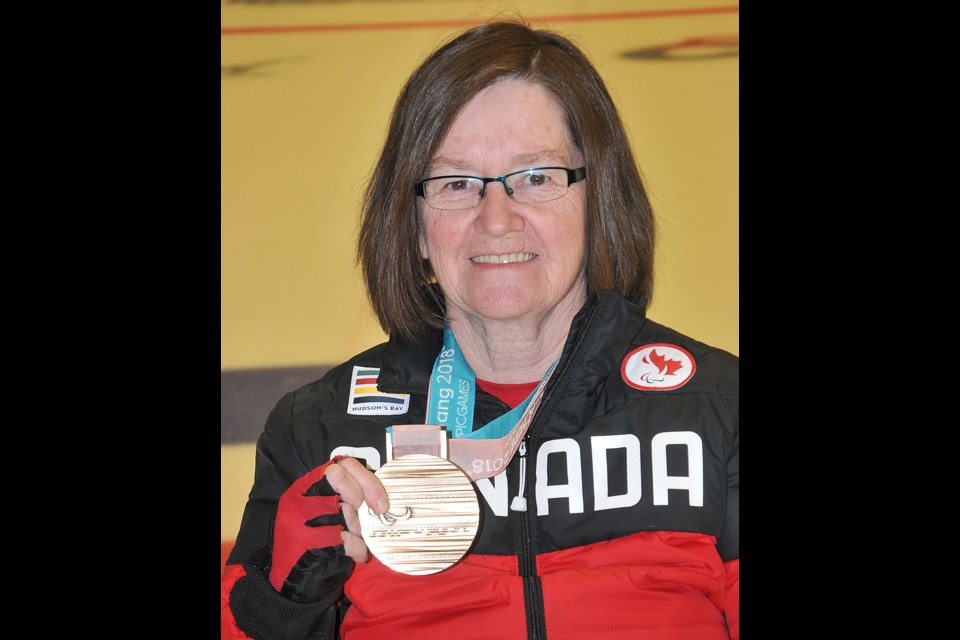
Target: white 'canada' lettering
599,445
369,454
496,493
692,483
494,490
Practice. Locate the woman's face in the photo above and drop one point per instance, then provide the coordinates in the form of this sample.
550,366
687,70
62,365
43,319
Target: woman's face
504,260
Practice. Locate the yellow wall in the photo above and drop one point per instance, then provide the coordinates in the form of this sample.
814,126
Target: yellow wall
304,112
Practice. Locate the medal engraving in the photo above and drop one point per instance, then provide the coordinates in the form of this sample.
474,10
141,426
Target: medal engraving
433,518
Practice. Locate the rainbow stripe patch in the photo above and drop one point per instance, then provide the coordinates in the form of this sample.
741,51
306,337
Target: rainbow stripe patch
367,400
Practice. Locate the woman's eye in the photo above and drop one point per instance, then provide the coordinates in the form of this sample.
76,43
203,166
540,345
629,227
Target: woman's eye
535,180
457,185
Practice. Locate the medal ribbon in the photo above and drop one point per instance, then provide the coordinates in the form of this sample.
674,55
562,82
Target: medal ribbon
485,452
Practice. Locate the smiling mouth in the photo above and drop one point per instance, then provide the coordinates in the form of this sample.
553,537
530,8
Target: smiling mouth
506,258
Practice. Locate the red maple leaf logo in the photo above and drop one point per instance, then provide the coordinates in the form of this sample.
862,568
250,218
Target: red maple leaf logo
663,365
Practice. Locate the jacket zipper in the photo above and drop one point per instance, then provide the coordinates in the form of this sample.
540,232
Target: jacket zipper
526,555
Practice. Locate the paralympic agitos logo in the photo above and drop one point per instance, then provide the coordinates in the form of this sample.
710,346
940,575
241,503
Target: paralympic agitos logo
658,366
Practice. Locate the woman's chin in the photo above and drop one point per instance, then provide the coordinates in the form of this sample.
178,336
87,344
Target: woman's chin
502,303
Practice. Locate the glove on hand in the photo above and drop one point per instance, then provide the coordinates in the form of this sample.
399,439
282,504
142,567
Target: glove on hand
308,560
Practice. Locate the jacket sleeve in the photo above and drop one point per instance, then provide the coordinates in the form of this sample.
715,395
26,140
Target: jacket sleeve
729,543
228,626
732,601
250,607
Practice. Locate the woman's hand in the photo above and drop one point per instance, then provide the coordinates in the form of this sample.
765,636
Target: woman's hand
356,484
315,515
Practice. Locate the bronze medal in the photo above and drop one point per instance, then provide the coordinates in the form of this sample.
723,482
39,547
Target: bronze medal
433,519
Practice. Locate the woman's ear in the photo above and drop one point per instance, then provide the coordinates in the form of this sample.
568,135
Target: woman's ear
423,246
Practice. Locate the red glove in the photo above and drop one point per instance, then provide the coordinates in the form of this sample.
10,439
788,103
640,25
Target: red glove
308,558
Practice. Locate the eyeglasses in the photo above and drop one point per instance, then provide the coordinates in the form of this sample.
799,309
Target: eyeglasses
542,184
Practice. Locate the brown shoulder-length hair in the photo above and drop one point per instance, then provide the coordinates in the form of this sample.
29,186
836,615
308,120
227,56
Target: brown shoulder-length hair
619,227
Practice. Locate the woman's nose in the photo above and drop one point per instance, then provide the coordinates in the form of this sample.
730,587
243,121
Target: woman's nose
498,211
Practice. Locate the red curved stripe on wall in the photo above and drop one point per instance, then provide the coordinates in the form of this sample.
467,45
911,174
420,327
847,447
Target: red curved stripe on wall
582,17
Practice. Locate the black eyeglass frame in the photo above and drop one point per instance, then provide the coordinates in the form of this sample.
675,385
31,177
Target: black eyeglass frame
573,176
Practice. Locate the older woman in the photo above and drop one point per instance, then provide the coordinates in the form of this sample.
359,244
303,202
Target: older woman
574,465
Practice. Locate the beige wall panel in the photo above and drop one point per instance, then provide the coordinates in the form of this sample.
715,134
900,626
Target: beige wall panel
303,120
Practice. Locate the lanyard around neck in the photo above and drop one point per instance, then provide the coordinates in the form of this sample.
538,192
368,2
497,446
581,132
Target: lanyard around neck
484,452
